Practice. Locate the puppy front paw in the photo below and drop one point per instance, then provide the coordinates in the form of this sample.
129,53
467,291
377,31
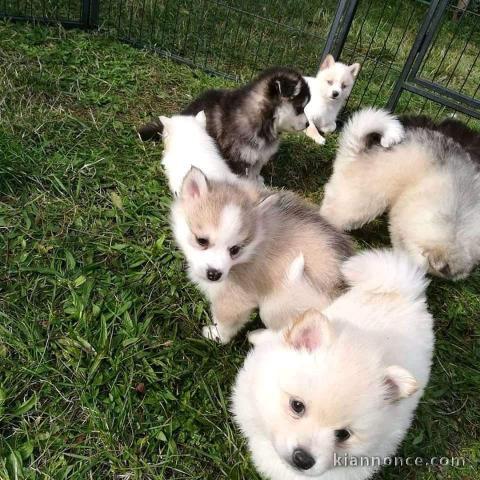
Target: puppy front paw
312,132
212,332
330,128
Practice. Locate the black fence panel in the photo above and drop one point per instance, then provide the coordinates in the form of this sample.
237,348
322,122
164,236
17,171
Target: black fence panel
67,12
231,37
380,37
445,68
416,55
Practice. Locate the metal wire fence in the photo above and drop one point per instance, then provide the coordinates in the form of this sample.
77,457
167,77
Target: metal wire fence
416,55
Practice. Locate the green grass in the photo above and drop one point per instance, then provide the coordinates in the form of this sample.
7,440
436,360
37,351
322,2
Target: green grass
103,370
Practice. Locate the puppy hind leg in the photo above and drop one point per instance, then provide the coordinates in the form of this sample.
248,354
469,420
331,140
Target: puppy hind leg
347,209
438,262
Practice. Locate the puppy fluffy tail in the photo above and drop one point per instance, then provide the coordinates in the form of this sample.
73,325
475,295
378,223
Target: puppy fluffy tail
369,127
151,131
386,271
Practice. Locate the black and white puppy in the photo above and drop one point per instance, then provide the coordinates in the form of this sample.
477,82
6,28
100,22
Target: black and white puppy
246,122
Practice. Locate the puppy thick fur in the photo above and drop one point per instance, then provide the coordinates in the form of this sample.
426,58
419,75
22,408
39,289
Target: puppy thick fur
329,90
426,175
187,144
240,242
341,384
246,122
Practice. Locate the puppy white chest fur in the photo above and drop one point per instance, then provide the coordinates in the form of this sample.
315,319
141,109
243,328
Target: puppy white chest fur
329,91
258,152
321,111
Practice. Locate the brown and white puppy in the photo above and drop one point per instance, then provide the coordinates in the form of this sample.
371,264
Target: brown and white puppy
246,122
246,245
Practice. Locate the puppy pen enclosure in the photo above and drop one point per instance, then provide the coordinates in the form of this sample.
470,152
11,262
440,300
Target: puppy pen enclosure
416,55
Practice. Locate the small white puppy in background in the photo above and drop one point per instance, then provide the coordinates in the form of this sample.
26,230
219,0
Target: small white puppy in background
342,384
187,145
329,92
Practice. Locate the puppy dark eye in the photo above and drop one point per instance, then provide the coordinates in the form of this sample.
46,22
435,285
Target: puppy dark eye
203,242
343,85
235,250
297,406
330,82
342,435
299,110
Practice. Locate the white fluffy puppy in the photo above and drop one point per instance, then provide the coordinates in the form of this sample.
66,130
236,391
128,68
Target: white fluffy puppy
427,178
317,398
329,91
187,145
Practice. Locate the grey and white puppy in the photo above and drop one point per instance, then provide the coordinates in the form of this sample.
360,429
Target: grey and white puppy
426,175
251,248
246,122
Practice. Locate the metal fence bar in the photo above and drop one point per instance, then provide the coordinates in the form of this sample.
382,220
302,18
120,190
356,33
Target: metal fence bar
456,96
395,56
234,39
429,36
469,73
178,58
42,20
419,41
94,13
330,43
430,89
347,23
384,46
85,13
89,14
442,100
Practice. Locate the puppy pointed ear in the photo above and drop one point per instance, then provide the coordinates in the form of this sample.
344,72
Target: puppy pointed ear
354,69
298,88
194,185
201,118
265,203
309,331
328,62
399,383
166,122
278,87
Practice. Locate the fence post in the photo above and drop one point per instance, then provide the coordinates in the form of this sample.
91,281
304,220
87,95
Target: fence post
432,19
90,13
94,13
340,27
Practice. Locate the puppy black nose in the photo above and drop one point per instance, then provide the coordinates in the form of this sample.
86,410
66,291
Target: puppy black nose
334,94
302,459
307,124
213,275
